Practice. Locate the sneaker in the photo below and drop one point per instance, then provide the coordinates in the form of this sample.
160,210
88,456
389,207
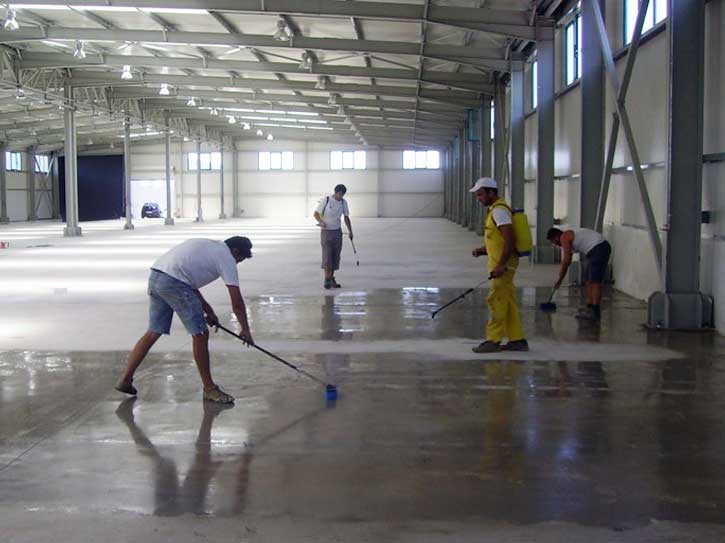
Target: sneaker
217,395
487,347
584,310
588,315
126,387
335,284
520,345
328,284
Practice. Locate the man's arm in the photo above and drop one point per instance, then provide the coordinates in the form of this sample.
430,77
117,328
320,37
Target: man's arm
240,311
507,231
349,226
479,251
566,246
319,220
211,317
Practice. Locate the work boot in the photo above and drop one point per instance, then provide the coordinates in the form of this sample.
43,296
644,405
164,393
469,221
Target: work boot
328,284
584,310
126,387
520,345
217,395
589,315
487,347
335,284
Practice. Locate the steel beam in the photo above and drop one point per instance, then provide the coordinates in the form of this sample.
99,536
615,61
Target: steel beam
681,305
30,160
592,119
127,172
72,229
4,219
518,138
544,252
169,219
652,230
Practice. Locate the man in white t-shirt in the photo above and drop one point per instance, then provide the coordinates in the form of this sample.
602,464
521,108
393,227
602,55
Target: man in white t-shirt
328,215
174,284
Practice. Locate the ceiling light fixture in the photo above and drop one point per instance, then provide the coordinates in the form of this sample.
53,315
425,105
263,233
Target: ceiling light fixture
232,119
282,33
126,74
333,100
247,126
321,83
164,90
270,137
341,111
10,20
19,94
214,112
259,132
191,102
80,51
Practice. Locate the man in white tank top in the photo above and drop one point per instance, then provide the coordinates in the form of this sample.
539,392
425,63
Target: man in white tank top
594,252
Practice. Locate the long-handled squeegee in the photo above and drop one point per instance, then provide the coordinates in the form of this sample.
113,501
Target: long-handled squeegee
453,301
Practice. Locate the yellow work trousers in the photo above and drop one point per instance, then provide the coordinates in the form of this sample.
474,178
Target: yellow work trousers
503,319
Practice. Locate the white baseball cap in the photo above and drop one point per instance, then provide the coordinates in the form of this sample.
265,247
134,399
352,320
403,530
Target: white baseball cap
484,183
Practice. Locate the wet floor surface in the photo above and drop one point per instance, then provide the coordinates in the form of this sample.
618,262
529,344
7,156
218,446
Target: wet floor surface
616,444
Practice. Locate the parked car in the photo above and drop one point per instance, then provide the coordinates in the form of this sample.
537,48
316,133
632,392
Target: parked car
151,210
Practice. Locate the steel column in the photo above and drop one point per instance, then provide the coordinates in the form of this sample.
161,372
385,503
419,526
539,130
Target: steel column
461,177
4,219
72,229
467,156
681,305
518,138
486,168
499,133
222,215
545,253
199,215
237,212
169,220
592,119
127,171
54,165
30,159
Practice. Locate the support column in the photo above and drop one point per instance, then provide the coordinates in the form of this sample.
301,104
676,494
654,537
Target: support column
518,137
222,215
54,165
199,215
461,177
32,203
499,129
592,118
71,165
237,212
486,160
169,220
475,219
467,155
127,170
681,305
4,219
545,253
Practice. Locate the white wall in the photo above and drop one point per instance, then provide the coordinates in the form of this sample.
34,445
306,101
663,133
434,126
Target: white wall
383,189
647,102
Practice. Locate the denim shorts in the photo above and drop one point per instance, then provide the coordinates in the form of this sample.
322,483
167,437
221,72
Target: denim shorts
168,295
595,263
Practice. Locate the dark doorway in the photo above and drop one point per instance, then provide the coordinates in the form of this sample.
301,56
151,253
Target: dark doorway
100,187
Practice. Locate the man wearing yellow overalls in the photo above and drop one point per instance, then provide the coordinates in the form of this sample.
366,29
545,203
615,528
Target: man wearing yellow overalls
500,246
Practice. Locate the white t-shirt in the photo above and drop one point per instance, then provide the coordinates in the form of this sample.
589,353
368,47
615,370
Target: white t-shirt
331,211
585,240
501,216
198,262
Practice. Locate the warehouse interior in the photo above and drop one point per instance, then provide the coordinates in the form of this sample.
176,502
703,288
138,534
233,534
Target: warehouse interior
128,127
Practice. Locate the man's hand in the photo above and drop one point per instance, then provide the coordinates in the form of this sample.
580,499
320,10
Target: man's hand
478,251
350,234
498,271
246,336
322,224
558,284
212,319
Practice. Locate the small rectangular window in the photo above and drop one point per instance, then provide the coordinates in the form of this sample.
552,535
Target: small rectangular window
275,162
205,161
42,164
216,160
287,160
348,160
421,160
264,161
13,161
656,13
192,161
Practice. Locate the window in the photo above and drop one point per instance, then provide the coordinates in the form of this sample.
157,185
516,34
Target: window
13,161
42,163
534,84
573,39
420,160
656,13
348,160
205,161
276,161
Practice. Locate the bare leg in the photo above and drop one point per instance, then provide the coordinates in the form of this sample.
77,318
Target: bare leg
329,273
588,290
595,295
201,357
139,352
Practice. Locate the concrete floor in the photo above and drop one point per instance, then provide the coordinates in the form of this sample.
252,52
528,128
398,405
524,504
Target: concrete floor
601,433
